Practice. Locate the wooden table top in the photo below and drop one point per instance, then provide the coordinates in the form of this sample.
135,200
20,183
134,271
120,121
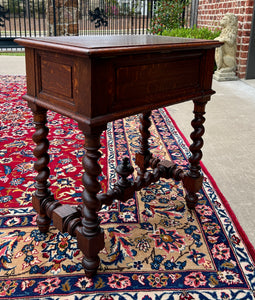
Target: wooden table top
114,44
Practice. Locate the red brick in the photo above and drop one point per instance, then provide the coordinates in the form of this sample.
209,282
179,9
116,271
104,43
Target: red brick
245,40
243,54
249,2
240,18
244,47
247,25
248,18
241,76
240,72
242,69
246,32
249,10
243,61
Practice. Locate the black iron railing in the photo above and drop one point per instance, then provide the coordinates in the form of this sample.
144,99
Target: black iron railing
21,18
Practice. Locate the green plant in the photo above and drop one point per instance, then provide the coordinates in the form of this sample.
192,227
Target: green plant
168,15
195,33
14,53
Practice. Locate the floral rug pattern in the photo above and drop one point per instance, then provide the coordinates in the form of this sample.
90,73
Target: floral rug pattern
155,247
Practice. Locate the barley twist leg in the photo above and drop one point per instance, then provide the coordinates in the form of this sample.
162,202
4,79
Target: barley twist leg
193,179
41,166
90,236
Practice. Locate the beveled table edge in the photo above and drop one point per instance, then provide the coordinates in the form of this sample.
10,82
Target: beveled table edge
58,44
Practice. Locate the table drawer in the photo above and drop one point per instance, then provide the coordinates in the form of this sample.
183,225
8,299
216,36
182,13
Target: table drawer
144,84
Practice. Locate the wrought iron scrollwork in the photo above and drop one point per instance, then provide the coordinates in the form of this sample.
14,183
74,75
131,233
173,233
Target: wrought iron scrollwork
3,16
99,17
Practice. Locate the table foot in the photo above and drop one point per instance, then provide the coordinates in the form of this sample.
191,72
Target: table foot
90,266
90,246
191,200
43,223
192,186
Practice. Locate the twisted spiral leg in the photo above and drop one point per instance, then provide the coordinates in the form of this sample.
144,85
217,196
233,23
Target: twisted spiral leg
90,237
193,179
143,156
41,166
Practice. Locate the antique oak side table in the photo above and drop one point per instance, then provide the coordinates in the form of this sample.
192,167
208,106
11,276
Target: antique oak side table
97,79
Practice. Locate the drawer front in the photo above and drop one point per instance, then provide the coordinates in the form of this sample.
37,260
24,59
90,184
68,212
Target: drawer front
156,82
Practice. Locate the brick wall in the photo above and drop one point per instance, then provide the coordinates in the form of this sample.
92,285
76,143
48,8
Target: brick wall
210,12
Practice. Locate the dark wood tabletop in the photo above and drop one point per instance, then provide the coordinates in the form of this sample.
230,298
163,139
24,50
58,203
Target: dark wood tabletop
117,44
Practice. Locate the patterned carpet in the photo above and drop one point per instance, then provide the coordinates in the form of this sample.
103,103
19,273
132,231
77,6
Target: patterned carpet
155,247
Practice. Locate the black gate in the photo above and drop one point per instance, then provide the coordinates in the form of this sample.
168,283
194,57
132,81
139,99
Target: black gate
21,18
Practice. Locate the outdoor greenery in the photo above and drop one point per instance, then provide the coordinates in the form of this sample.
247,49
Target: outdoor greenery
117,8
196,33
14,53
168,15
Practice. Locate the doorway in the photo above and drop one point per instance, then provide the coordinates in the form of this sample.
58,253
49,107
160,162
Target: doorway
250,72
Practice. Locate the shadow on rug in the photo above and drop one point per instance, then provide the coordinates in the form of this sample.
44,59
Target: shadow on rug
155,247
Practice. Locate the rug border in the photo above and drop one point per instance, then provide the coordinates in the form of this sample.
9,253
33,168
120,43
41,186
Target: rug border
239,228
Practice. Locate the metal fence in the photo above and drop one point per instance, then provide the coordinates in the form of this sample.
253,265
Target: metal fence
21,18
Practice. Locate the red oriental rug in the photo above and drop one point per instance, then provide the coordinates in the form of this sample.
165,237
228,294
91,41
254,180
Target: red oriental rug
155,247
